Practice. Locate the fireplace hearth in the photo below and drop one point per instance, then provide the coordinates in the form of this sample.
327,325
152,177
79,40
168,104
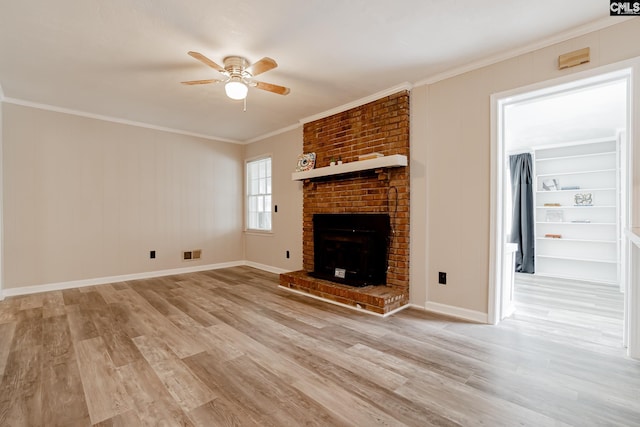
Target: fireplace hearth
351,269
351,249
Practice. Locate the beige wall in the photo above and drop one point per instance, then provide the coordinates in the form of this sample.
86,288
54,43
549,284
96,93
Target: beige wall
86,198
451,142
270,249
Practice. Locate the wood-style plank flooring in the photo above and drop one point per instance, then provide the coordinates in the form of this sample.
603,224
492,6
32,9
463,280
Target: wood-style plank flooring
228,347
589,315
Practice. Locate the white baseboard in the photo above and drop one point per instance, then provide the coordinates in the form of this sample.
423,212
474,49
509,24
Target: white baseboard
449,310
25,290
265,267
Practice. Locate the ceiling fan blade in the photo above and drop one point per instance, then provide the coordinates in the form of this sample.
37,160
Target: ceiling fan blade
265,64
280,90
201,82
200,57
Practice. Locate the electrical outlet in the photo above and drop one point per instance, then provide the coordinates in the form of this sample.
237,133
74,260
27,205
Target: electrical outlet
152,254
287,254
187,255
442,278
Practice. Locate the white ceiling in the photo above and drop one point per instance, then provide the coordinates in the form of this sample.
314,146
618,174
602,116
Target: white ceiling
583,113
125,58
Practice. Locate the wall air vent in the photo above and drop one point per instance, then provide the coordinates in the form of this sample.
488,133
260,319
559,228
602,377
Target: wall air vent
191,255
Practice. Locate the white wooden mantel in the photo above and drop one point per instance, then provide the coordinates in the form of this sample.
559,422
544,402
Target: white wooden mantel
393,161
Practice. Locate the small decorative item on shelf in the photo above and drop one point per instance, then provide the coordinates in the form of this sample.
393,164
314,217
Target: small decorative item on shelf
553,236
306,162
339,160
555,215
370,156
550,185
332,162
552,205
583,199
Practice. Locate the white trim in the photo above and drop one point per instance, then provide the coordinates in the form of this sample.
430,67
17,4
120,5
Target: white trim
351,307
1,197
484,62
522,50
496,248
25,290
633,294
274,133
358,102
450,310
265,267
258,157
114,119
247,195
263,233
628,69
568,82
633,235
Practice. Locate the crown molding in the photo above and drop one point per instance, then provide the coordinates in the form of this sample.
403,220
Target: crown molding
358,102
558,38
336,110
64,110
540,44
274,133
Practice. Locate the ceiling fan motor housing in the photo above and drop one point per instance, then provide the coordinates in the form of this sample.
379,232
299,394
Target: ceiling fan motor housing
236,66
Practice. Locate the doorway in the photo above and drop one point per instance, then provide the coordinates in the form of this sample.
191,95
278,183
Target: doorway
578,127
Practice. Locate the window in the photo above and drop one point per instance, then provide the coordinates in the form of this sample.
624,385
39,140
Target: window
259,194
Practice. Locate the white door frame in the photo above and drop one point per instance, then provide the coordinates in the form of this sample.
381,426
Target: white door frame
1,199
629,69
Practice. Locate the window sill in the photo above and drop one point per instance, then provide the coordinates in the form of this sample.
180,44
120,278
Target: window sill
258,232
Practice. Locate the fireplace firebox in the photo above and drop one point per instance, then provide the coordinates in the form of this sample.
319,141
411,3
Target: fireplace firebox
351,248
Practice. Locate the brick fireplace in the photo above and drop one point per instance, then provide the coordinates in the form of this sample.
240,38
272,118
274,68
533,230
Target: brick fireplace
381,126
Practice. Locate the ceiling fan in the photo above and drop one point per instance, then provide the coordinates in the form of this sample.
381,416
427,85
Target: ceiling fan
238,75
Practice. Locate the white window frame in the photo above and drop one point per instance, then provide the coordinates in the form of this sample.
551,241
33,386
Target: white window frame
263,196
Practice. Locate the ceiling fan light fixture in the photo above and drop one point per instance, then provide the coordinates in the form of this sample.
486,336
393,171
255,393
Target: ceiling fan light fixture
236,89
238,75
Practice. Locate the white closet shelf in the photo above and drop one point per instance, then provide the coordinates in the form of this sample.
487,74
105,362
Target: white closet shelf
576,207
562,239
392,161
603,261
565,276
579,190
606,153
549,175
576,223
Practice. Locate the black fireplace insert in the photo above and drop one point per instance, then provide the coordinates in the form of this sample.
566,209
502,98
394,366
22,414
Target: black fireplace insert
351,248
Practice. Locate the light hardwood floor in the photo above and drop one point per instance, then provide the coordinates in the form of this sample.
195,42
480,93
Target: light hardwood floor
228,347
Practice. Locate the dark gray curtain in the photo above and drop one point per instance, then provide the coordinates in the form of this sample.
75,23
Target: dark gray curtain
521,167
